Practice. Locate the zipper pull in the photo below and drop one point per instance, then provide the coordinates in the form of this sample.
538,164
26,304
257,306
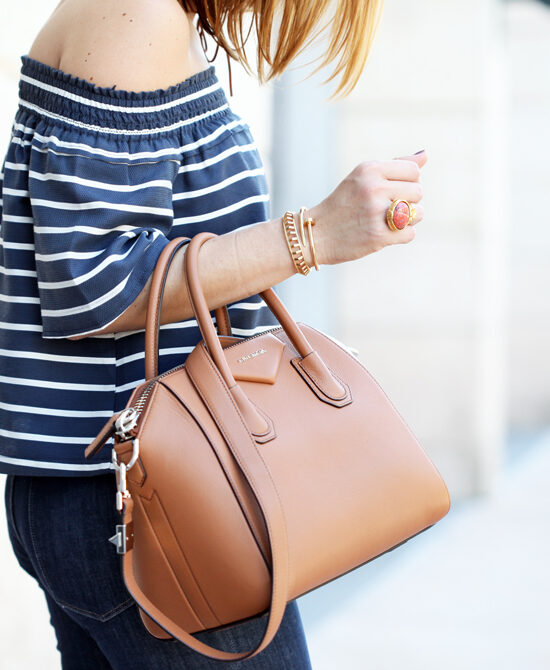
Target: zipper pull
106,432
126,422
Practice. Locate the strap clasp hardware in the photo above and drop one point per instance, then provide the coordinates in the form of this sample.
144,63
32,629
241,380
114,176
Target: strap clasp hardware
119,539
121,470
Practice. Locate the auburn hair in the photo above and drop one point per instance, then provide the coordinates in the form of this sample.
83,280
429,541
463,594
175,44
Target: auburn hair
284,28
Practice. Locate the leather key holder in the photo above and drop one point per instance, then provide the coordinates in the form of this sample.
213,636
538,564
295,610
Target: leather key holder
258,470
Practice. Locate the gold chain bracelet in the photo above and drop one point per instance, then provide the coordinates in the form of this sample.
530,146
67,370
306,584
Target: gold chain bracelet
294,244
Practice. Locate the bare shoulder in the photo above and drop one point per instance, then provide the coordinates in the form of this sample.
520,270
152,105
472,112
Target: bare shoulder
135,45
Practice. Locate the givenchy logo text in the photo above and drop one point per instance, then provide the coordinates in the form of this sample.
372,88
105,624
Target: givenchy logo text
259,352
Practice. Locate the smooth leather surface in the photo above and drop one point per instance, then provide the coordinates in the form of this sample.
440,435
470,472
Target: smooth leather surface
226,527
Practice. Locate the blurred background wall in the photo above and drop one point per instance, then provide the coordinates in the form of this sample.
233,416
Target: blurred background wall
455,326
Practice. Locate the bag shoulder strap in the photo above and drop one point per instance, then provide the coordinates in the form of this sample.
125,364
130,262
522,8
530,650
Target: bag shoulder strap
249,459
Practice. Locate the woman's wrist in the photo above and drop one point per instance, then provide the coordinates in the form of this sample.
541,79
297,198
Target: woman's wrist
304,244
318,232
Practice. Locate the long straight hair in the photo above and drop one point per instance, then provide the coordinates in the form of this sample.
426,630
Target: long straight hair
284,28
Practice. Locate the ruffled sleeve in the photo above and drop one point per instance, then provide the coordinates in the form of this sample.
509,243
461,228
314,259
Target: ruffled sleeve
100,224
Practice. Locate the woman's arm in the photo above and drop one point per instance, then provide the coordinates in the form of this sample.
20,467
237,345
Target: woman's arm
350,224
231,267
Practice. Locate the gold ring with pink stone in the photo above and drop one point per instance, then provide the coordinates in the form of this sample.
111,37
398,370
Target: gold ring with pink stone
400,214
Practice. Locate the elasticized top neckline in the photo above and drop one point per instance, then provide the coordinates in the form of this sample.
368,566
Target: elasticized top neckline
56,94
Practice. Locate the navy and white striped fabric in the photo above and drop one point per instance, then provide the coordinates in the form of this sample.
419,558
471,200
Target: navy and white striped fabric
95,182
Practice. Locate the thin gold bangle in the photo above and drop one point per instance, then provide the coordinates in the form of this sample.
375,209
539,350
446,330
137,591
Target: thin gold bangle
310,223
301,220
293,243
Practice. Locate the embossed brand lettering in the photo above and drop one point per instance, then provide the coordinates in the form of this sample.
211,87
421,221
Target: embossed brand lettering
242,359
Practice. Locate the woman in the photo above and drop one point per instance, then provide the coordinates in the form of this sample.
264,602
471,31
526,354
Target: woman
122,141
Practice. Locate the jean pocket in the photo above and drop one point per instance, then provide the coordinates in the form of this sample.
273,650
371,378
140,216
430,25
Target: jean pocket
70,521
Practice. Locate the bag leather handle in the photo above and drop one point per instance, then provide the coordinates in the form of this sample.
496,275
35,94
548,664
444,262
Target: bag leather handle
154,305
310,361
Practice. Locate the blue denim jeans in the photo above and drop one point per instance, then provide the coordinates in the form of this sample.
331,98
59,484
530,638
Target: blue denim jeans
59,528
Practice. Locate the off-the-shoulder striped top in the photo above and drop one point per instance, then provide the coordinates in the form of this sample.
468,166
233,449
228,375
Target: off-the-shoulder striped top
94,184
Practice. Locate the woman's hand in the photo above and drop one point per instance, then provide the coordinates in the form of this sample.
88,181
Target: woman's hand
351,222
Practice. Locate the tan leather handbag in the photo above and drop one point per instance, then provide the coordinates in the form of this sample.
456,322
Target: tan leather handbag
260,469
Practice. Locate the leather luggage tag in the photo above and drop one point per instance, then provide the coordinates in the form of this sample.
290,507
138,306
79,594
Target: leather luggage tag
256,360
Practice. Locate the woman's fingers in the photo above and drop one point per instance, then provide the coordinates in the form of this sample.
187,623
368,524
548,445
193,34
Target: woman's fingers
400,169
404,236
411,191
420,158
419,215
